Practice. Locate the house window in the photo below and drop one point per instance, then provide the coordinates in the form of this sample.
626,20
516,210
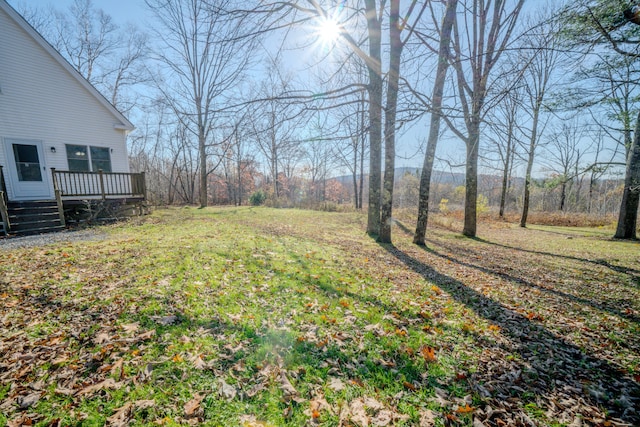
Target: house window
77,158
100,159
85,159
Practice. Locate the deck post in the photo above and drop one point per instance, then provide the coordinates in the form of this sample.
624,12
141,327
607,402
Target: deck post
144,185
4,213
102,191
60,207
53,176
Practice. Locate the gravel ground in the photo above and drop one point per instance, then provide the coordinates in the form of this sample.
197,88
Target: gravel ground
50,238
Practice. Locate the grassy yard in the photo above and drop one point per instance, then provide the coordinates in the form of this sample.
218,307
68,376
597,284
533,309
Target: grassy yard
264,317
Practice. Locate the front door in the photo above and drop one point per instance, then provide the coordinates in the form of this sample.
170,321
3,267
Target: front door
28,176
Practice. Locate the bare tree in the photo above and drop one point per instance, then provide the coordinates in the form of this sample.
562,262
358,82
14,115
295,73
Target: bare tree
542,56
110,57
609,24
434,127
564,157
503,121
480,36
205,59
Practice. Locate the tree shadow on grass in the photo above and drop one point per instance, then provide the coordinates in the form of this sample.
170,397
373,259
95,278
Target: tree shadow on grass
616,311
553,366
633,273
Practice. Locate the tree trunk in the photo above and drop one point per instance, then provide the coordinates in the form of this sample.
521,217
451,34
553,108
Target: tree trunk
505,175
434,126
360,197
628,217
527,179
355,176
203,170
471,179
390,122
375,117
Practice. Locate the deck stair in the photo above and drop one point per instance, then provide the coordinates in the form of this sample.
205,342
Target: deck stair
26,218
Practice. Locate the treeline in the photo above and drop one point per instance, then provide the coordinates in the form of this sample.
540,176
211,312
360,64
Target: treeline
240,101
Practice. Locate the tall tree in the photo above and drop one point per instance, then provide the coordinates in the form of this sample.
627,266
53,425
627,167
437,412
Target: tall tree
434,126
614,25
110,57
505,136
480,36
205,57
540,51
277,15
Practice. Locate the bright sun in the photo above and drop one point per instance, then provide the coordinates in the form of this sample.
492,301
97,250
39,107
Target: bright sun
328,30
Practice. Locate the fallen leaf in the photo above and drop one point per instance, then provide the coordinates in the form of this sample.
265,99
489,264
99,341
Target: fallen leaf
131,327
336,384
199,363
227,391
25,402
358,413
192,408
427,418
465,409
429,354
109,384
288,390
121,417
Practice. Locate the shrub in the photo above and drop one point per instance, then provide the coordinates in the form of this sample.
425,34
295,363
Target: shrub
482,204
258,198
444,206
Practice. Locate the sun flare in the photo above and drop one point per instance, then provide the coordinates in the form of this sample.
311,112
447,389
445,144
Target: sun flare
328,30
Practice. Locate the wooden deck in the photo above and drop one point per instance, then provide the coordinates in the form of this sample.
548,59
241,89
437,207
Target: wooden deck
79,196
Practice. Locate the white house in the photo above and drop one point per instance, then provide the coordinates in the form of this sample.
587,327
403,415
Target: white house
50,116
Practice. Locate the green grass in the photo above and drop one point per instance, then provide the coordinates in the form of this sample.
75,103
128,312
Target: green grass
231,304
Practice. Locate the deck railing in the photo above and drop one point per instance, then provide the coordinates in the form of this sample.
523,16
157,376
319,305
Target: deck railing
4,214
3,185
99,184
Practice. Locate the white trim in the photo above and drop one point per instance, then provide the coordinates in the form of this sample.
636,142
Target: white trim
22,23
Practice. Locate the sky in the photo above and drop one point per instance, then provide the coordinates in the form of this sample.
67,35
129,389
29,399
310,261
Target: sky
122,11
409,147
135,11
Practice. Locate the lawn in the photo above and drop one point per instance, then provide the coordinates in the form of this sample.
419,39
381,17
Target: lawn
265,317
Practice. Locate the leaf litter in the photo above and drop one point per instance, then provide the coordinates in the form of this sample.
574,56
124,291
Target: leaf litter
466,334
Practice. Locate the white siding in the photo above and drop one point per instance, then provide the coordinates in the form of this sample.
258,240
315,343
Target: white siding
41,100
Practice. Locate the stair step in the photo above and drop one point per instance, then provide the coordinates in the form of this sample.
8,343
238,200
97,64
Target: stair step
32,225
33,231
34,217
32,204
15,218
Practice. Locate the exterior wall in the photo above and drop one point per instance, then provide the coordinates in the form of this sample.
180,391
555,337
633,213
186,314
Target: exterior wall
41,100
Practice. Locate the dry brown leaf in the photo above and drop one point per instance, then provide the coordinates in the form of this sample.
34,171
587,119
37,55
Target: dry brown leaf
131,327
25,402
227,391
109,384
101,338
122,416
358,413
427,418
336,384
192,408
288,390
252,421
317,405
199,363
143,404
146,335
